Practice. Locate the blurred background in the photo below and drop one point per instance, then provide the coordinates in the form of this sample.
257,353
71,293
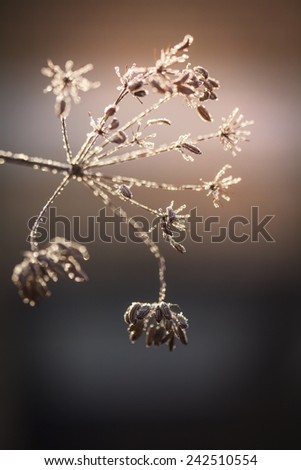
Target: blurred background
70,379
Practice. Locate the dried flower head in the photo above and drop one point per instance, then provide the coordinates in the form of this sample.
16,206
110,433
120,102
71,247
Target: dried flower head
112,142
163,323
66,84
39,267
233,131
218,187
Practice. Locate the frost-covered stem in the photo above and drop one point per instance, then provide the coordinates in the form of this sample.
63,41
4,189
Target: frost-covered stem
145,238
135,155
146,112
201,138
148,184
34,162
56,193
66,140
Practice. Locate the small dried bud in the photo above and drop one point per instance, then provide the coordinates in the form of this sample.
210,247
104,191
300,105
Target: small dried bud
185,90
134,85
119,138
140,93
183,79
192,148
213,96
125,191
158,314
214,83
201,71
143,311
166,310
182,336
204,113
157,86
150,335
110,110
183,323
114,124
205,96
132,311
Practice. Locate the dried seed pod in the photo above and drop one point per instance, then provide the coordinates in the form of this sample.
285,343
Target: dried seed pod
158,314
213,95
168,325
171,215
182,336
114,124
182,80
119,138
201,71
214,83
143,311
159,335
132,311
171,342
157,86
150,335
185,90
134,85
127,318
182,321
165,310
204,96
204,113
137,332
140,93
125,191
192,148
110,110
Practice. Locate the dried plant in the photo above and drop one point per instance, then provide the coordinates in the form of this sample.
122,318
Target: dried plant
110,142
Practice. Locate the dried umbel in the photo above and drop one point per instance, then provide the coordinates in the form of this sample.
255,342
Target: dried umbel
162,323
110,142
32,275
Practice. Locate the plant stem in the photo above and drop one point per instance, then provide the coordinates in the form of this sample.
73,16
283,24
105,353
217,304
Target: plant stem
56,193
37,163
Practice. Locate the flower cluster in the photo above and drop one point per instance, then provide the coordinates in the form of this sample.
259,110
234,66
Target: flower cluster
39,267
171,221
163,323
194,83
112,142
232,131
218,187
66,84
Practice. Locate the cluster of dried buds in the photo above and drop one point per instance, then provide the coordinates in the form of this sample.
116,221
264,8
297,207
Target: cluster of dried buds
162,322
38,267
170,223
194,83
113,142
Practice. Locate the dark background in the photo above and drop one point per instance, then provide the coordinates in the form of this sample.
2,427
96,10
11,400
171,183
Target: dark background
69,376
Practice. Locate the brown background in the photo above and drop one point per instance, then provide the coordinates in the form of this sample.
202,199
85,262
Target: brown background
69,377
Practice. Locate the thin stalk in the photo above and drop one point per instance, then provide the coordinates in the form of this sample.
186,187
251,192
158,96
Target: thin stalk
153,248
37,163
56,193
66,140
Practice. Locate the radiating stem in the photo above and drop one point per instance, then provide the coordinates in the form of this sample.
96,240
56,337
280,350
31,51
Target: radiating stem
66,140
34,162
56,193
100,189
